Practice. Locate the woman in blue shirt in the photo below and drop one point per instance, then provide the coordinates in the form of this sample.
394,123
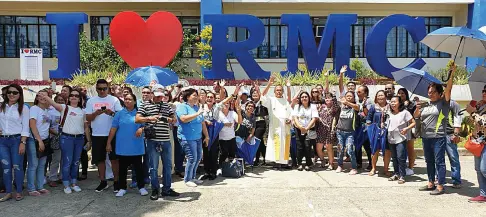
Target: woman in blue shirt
130,145
191,126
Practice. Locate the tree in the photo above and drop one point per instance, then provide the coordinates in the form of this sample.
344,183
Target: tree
101,56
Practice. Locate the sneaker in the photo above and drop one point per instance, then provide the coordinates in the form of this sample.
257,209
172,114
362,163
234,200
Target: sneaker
300,168
170,193
219,172
191,184
198,182
116,187
76,188
339,169
353,172
154,195
121,193
478,199
103,185
67,190
409,171
143,192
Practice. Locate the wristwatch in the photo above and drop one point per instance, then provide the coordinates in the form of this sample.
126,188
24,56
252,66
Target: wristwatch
22,142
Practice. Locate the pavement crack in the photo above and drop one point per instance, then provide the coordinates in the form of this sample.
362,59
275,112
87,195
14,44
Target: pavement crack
323,179
359,207
90,202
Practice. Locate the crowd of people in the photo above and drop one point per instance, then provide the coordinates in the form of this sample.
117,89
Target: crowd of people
52,138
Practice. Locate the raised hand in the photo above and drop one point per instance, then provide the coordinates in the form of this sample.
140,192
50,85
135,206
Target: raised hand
222,83
153,83
272,79
288,83
344,69
109,77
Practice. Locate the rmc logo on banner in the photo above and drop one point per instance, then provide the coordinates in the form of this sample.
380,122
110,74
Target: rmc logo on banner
338,27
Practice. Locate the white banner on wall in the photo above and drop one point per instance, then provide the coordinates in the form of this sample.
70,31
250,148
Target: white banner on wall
31,64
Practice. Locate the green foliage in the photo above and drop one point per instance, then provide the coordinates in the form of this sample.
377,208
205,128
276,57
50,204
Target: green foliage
461,76
204,48
180,62
305,77
100,55
362,71
89,78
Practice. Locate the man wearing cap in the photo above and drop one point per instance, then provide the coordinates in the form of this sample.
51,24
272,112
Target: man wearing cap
158,114
244,99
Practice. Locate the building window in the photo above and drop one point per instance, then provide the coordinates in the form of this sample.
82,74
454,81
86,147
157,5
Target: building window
399,43
18,32
100,28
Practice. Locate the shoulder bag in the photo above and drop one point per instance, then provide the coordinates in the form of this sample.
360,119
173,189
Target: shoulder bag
55,139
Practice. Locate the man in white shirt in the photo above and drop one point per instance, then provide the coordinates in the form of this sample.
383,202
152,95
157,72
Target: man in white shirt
100,111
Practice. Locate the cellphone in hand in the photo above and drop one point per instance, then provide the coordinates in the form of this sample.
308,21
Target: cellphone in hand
103,108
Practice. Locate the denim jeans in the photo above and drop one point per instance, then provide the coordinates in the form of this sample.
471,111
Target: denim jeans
166,155
480,167
11,159
193,150
346,140
399,157
35,168
434,153
71,149
453,154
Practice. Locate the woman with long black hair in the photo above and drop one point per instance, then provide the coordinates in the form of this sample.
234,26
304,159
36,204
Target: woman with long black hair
410,107
72,138
304,116
14,126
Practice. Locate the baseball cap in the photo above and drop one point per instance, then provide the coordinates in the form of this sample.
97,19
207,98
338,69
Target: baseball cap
158,90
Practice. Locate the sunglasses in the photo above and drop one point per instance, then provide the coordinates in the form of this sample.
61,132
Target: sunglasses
13,92
484,91
102,88
74,95
315,92
146,92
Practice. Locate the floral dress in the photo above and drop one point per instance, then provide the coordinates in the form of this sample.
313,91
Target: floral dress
327,115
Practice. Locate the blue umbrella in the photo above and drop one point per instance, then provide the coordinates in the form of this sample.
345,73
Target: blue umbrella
377,137
246,150
143,76
414,80
213,132
361,136
457,41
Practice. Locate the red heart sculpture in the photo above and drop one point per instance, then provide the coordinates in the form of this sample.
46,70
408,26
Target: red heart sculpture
26,50
140,43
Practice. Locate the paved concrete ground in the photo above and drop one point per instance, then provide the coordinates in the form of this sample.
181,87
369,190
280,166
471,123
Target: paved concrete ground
266,192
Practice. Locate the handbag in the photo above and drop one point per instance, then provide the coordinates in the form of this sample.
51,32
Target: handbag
234,168
54,143
475,147
47,148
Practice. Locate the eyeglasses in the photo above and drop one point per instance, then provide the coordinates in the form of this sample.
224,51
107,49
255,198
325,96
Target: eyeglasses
74,95
13,92
102,88
315,91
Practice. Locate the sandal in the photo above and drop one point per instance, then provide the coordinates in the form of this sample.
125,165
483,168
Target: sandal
307,168
34,193
7,197
300,168
19,197
401,181
393,178
372,173
44,191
